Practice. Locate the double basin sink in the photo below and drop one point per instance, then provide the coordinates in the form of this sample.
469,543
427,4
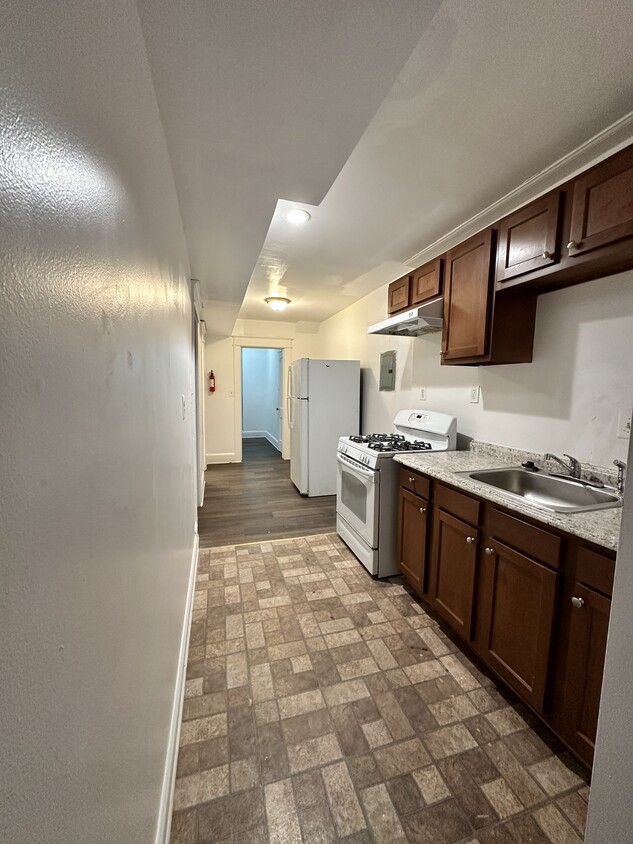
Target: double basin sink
547,492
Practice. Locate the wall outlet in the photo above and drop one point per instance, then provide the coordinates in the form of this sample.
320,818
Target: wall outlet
422,393
624,425
474,395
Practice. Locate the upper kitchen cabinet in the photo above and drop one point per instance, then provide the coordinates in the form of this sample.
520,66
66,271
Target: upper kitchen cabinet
426,282
602,205
529,239
468,299
480,328
580,231
398,294
423,284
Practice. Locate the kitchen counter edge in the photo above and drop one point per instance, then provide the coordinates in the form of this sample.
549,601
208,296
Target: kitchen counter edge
602,527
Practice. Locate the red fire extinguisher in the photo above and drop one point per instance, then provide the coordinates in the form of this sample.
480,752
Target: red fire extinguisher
211,382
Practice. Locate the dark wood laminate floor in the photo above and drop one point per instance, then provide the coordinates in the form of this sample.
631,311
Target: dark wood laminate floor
255,500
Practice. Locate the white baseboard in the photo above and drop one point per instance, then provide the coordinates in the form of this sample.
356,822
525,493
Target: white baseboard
228,457
273,441
163,826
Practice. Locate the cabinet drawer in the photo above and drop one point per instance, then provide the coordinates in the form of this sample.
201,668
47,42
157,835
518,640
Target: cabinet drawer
418,484
398,295
595,570
537,543
426,282
460,505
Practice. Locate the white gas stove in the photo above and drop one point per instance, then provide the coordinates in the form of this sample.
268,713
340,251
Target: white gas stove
367,483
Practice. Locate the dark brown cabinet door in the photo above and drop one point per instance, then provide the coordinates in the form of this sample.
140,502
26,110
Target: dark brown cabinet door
455,565
426,282
518,616
585,665
412,522
602,205
528,239
398,295
468,300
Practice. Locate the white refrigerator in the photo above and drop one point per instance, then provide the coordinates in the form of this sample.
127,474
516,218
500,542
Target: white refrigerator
323,405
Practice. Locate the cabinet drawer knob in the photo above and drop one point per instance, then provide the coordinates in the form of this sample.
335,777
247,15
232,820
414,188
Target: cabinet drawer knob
577,602
470,539
546,256
422,509
411,480
489,551
573,245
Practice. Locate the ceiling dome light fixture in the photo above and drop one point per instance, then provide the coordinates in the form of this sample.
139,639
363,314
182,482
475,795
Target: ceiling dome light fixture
277,303
298,216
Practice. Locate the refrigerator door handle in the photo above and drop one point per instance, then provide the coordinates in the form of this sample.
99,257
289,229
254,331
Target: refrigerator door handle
289,398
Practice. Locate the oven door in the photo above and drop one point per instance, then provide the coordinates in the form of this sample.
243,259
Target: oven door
357,498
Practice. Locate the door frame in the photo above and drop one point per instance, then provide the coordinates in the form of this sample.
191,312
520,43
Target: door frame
198,392
240,343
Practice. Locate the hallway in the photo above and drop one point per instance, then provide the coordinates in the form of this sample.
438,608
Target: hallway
322,705
255,500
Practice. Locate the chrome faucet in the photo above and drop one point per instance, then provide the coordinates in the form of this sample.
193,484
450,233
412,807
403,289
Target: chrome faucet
572,469
621,470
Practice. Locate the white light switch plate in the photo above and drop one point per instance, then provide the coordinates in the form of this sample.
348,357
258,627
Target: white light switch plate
474,395
422,393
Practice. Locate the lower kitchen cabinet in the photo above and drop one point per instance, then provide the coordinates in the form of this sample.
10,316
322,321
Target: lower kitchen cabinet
533,603
454,563
412,533
585,666
517,616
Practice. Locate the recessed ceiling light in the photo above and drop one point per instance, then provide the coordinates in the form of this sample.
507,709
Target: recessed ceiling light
277,303
298,216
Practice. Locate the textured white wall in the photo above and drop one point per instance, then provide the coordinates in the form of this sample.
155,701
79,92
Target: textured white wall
567,399
97,466
610,818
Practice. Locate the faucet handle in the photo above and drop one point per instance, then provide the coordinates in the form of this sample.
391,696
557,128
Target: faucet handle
574,465
621,466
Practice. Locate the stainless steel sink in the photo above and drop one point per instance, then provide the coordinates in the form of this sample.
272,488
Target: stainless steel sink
548,492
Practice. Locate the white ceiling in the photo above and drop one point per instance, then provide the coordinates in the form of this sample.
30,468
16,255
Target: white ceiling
267,105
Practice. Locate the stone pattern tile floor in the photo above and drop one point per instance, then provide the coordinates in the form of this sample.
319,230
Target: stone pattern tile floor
323,706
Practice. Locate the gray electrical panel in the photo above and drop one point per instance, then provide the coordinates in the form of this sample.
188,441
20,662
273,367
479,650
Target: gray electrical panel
388,371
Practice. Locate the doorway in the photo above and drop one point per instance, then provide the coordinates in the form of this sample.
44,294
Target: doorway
262,397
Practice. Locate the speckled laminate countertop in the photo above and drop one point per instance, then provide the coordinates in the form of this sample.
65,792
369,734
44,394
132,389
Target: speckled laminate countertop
599,526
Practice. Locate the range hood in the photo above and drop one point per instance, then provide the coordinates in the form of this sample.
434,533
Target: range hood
421,320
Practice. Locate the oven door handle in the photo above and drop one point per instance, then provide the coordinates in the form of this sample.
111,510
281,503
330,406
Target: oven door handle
370,474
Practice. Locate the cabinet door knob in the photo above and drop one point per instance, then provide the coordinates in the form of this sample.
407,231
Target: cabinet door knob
573,245
546,256
470,539
489,551
411,480
422,509
577,602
